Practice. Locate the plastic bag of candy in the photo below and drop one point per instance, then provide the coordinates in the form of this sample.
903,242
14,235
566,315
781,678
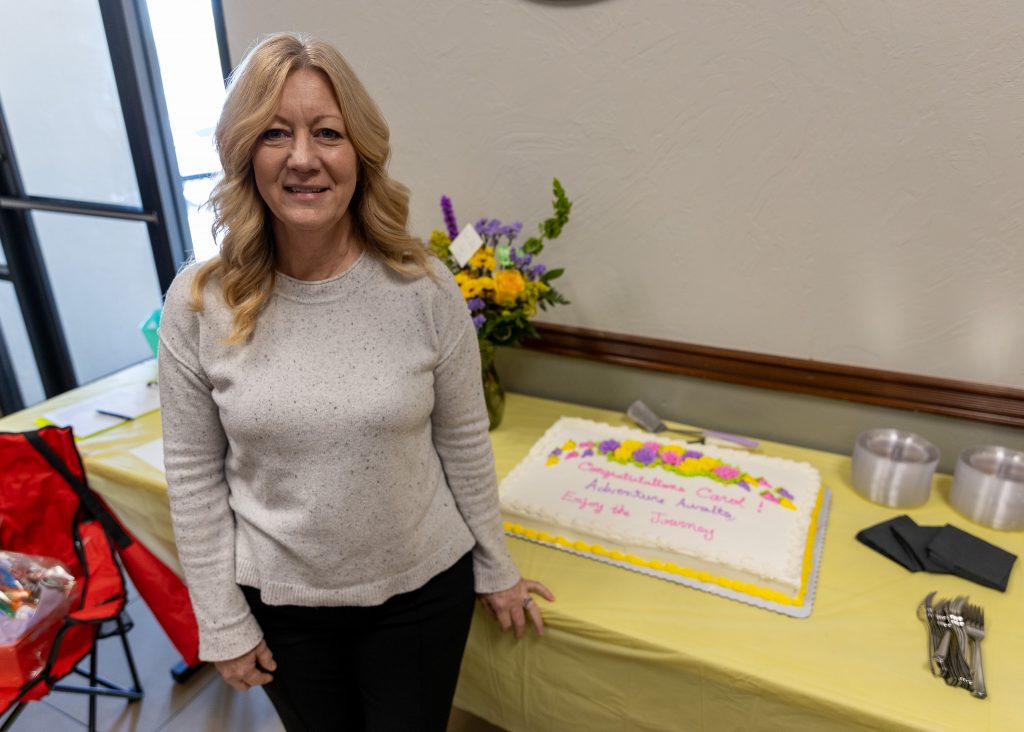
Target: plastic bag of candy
35,593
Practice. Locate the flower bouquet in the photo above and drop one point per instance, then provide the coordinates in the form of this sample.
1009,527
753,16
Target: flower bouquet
503,283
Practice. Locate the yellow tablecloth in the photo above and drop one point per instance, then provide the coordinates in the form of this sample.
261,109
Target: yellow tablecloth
628,652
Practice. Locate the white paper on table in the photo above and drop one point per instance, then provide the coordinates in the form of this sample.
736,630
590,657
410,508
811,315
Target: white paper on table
151,452
129,401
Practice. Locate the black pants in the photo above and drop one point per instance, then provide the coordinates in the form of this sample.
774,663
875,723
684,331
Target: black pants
383,668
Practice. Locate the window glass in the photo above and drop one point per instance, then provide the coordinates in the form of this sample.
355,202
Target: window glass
61,103
186,45
190,70
18,346
105,285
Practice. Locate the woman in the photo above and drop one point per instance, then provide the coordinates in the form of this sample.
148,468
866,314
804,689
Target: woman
331,480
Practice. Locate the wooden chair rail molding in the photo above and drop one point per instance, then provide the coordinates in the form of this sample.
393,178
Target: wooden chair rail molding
948,397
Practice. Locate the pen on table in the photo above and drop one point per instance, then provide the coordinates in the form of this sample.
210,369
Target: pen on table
106,413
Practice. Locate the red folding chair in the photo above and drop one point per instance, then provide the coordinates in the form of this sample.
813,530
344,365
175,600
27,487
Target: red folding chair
47,509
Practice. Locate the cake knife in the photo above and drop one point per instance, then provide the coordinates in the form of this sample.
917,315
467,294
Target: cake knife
646,418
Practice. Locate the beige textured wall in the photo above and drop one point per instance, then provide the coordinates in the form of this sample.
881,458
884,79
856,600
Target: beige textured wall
841,181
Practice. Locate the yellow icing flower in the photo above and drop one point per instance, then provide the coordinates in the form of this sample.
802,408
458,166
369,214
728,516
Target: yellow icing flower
552,460
707,463
623,453
673,448
632,445
508,285
568,446
787,503
690,466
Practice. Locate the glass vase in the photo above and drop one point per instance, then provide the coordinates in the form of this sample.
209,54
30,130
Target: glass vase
494,394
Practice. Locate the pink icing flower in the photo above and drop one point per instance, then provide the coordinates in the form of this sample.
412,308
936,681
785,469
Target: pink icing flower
572,455
653,446
726,472
671,458
586,445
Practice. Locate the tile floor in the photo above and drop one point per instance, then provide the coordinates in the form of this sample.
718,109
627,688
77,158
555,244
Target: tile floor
203,704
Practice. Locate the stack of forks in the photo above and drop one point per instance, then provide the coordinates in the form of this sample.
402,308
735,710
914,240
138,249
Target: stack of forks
955,631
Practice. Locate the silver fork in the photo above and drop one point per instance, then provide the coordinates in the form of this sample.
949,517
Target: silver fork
974,624
926,613
958,664
942,645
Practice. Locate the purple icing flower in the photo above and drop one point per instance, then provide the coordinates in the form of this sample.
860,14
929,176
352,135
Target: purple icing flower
692,454
475,303
645,455
478,321
609,446
743,484
588,453
449,217
784,493
557,451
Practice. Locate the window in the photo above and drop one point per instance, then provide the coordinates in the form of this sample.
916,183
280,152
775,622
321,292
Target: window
95,215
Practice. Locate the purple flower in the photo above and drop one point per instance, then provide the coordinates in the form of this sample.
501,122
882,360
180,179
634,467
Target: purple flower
645,455
512,230
609,446
692,454
784,493
491,227
520,262
557,451
478,321
743,484
538,271
588,452
475,303
449,217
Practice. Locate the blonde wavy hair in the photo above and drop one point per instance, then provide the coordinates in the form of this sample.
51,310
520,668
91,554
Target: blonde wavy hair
380,206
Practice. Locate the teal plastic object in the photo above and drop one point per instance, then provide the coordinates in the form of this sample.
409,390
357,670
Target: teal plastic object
149,327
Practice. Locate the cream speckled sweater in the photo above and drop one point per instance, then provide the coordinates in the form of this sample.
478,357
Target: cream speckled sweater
340,457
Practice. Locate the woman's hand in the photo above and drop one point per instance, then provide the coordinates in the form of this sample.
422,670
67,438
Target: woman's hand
250,669
510,607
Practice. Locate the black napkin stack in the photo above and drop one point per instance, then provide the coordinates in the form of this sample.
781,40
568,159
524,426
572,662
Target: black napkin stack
940,550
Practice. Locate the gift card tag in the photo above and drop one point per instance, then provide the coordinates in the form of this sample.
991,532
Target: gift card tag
465,245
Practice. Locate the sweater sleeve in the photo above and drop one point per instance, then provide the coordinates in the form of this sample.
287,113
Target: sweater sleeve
459,423
194,450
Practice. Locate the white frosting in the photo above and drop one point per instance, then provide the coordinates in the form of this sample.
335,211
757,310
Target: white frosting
652,513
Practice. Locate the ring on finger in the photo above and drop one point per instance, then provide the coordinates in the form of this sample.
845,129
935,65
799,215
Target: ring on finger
526,602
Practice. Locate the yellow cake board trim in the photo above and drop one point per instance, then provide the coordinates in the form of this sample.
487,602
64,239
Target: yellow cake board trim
763,593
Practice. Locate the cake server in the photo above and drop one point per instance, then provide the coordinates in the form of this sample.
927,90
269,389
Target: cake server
646,418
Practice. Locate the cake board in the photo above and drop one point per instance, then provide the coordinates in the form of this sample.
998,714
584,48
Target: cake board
794,611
